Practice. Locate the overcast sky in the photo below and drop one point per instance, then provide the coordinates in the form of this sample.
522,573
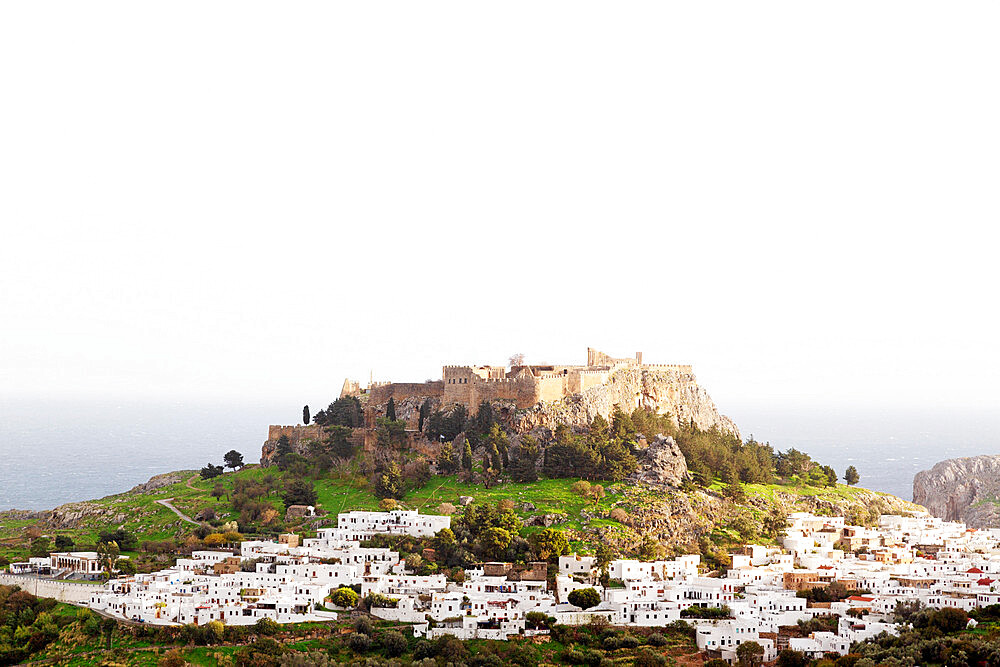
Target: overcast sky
254,200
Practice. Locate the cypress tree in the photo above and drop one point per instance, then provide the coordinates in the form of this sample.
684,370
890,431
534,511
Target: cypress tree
305,414
390,409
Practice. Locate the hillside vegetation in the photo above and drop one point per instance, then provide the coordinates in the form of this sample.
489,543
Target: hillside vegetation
635,518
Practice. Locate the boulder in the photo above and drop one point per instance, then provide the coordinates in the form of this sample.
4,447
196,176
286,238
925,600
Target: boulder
465,500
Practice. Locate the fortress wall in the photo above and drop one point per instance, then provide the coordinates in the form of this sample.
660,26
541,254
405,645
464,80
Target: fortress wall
295,433
522,390
400,391
64,591
551,388
590,379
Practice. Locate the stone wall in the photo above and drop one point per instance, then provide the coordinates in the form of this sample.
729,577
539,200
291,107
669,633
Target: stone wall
298,436
400,391
295,433
64,591
462,385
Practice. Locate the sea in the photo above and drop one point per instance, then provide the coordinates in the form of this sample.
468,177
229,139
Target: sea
53,452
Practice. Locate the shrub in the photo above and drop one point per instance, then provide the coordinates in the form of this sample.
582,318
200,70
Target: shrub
364,626
647,658
446,508
359,643
656,639
388,504
214,539
393,643
619,515
266,626
581,488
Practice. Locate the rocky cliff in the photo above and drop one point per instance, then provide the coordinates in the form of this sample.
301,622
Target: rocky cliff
964,489
667,391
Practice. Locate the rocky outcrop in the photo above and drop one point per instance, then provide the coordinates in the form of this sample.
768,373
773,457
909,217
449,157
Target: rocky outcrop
666,391
680,519
662,464
160,481
73,515
964,489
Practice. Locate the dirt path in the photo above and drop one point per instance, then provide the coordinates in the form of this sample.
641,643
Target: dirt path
166,503
188,483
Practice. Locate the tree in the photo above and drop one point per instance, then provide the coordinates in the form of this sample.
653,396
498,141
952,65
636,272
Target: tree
790,658
584,598
344,411
345,597
523,466
467,456
339,441
494,541
604,554
749,654
425,412
107,556
40,547
831,475
214,540
516,359
851,476
64,542
389,482
233,459
549,543
774,524
210,471
218,490
390,409
734,490
125,540
299,491
305,414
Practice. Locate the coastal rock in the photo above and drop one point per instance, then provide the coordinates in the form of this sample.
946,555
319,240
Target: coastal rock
662,464
159,481
963,489
24,515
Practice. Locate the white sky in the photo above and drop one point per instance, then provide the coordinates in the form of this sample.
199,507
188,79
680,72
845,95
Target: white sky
255,200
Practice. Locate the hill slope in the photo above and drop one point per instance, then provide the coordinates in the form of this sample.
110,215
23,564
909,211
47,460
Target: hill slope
683,521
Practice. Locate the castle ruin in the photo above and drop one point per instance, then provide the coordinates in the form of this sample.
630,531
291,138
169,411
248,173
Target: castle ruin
526,385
